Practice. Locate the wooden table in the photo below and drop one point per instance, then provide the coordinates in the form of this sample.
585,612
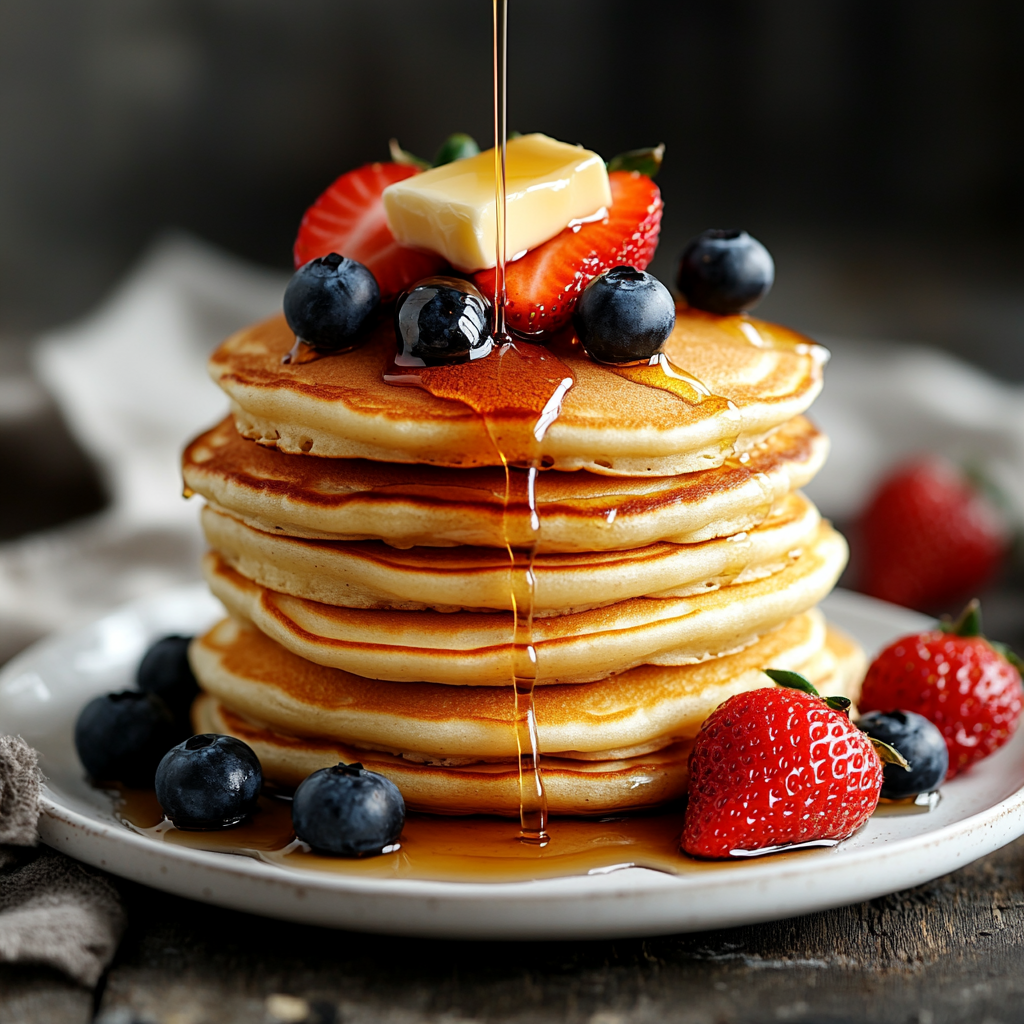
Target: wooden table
952,950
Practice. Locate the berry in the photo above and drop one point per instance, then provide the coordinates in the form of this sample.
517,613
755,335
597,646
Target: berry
955,678
329,301
624,315
443,320
348,811
725,271
918,741
120,737
165,672
774,767
542,287
208,782
349,219
928,538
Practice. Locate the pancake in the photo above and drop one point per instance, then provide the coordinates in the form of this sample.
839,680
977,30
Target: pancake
354,499
474,649
759,375
635,711
370,574
572,787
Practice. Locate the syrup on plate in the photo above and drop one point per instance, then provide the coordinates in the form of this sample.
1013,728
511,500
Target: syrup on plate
467,849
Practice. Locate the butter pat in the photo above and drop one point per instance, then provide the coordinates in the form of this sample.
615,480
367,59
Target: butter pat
450,209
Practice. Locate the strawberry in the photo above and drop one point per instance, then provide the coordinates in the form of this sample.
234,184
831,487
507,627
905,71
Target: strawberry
541,287
967,686
777,767
929,537
349,219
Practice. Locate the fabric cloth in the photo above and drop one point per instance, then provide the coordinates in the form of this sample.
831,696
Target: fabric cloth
130,380
53,910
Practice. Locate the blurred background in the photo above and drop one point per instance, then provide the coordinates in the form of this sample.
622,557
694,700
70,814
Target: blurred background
875,147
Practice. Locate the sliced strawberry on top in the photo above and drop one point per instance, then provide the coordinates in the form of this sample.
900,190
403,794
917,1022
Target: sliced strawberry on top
541,287
349,219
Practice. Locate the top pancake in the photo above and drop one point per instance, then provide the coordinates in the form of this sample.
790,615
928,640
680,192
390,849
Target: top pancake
339,406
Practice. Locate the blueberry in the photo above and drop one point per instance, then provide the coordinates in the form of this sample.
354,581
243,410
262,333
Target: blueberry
120,737
725,271
209,781
348,811
165,671
918,741
442,320
329,301
624,316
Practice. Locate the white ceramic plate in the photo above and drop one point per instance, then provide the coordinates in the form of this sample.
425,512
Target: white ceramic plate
42,690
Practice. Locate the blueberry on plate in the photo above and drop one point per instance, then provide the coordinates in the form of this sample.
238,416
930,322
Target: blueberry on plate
919,741
120,737
442,320
348,811
165,672
209,782
329,301
624,316
725,271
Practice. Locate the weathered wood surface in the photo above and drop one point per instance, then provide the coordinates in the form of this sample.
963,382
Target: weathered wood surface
950,951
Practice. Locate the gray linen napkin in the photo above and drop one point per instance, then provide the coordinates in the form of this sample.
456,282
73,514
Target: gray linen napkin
53,910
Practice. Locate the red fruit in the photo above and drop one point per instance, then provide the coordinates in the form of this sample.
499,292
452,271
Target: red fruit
772,767
960,683
929,538
541,287
349,219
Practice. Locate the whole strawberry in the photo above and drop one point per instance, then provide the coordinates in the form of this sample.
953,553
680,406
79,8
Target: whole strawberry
966,685
929,537
775,767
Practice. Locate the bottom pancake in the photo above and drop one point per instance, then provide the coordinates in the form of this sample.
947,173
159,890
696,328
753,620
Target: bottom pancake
577,788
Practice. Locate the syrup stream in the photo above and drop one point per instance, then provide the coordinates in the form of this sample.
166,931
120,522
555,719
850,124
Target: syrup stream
500,141
533,806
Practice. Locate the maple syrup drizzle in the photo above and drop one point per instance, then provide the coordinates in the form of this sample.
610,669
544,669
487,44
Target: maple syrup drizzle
500,142
517,390
661,373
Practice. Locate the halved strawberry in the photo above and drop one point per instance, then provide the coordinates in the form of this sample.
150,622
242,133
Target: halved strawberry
541,287
349,219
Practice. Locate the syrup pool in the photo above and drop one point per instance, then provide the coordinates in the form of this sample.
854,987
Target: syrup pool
469,849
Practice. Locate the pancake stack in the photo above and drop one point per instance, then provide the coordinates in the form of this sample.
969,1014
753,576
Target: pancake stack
361,532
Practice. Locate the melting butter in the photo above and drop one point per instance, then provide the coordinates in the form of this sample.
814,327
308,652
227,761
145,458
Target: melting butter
451,209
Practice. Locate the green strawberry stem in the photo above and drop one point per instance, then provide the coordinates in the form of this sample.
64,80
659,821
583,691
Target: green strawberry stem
794,681
969,623
457,146
1009,654
403,156
646,161
888,754
791,680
